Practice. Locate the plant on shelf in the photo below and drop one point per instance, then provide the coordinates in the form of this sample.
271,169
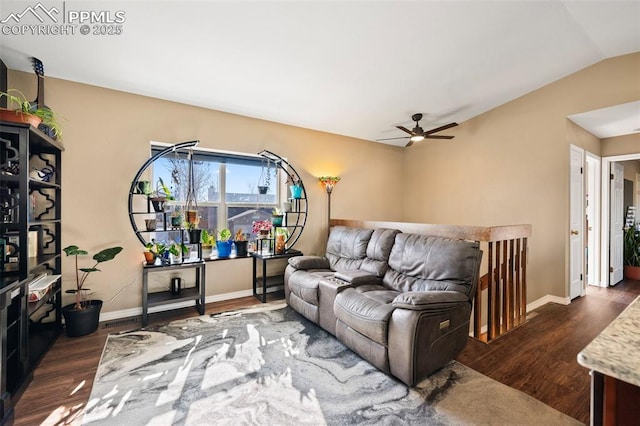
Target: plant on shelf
178,249
195,234
160,196
276,216
176,218
632,253
262,227
241,243
224,243
22,111
82,316
295,186
157,250
207,239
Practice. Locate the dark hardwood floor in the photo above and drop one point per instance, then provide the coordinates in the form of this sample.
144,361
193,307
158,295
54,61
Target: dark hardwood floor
538,358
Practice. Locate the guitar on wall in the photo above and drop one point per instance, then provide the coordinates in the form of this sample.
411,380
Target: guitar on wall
38,103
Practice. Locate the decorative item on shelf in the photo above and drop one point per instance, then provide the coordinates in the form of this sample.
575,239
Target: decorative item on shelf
43,175
151,224
286,206
150,257
176,218
224,243
329,182
207,239
82,316
176,285
262,228
281,238
277,216
241,243
632,253
160,196
49,125
143,187
296,187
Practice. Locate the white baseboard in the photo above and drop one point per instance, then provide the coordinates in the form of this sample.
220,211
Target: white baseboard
133,312
535,305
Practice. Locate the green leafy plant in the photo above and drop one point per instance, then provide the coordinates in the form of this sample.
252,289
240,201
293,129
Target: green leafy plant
208,239
178,248
276,212
631,247
224,235
49,117
158,249
83,273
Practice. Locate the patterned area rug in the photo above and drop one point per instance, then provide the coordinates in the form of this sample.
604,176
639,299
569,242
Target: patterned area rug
270,366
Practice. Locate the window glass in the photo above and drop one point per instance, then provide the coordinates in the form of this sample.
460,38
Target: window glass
242,202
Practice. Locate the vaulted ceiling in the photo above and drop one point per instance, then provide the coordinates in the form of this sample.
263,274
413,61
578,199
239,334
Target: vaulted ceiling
347,67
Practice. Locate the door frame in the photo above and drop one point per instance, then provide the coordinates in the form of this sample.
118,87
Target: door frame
596,222
604,212
580,232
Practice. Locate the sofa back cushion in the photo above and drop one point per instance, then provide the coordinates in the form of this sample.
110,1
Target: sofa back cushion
423,263
347,247
378,251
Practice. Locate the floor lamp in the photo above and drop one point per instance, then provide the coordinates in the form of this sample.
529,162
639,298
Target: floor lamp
329,182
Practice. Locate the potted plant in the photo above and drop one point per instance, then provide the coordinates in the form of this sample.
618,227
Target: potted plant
276,216
208,239
24,112
160,196
262,228
178,251
176,218
82,316
156,251
632,253
241,243
194,233
224,243
296,187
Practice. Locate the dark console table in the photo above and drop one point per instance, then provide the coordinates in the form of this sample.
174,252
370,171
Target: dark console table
197,292
268,280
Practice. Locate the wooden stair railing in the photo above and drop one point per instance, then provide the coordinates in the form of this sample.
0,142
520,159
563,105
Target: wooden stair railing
505,280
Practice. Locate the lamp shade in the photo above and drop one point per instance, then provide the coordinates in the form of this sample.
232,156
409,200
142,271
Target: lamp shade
329,182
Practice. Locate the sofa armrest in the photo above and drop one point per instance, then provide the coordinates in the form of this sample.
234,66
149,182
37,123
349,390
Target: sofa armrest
309,262
356,277
429,300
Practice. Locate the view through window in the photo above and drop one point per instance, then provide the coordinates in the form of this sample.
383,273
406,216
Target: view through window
226,187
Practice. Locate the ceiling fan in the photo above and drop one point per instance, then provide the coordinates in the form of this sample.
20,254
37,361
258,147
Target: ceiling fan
418,134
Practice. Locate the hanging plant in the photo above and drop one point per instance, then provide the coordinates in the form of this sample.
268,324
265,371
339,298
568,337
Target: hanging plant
264,182
191,203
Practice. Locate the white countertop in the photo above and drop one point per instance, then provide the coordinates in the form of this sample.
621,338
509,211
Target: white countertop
616,351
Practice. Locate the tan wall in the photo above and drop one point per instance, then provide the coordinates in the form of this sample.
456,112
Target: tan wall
107,139
511,165
578,136
620,145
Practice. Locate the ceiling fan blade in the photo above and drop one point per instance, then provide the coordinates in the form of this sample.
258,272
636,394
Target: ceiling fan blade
441,128
409,144
389,139
438,137
404,129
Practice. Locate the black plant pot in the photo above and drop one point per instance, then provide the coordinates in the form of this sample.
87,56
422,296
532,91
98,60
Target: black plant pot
194,235
80,323
241,248
263,189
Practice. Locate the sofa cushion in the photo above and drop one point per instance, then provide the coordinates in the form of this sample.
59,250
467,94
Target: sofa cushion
305,284
378,251
423,263
429,300
365,315
347,247
309,262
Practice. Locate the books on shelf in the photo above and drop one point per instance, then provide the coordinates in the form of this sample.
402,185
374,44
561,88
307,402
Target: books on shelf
39,287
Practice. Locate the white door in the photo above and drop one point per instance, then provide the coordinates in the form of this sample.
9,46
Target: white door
617,223
577,213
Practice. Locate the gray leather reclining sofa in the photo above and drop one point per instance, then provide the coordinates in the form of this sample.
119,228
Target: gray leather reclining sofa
401,301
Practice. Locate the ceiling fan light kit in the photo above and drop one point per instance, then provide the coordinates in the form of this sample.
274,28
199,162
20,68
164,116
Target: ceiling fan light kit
418,134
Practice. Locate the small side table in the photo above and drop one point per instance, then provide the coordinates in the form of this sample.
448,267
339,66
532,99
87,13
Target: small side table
267,280
196,293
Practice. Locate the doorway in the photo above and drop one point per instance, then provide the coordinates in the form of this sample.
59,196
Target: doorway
608,271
